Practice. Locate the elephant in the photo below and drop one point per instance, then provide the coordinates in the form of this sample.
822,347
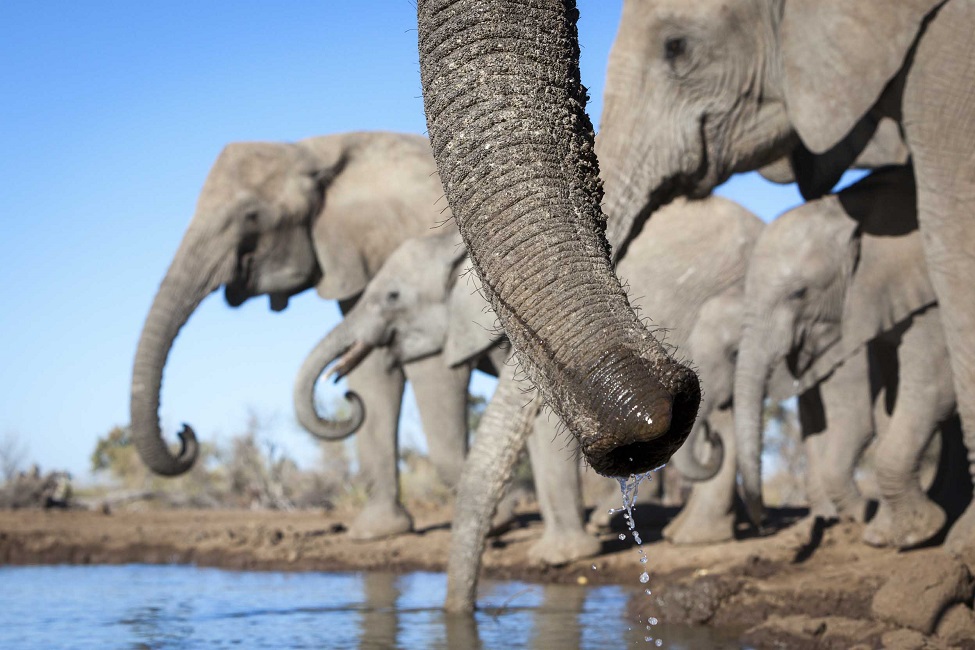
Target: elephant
839,290
695,92
280,218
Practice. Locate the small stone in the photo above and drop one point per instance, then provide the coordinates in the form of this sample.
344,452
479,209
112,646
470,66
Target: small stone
957,625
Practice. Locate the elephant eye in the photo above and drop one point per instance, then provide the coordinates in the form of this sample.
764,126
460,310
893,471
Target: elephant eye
392,296
798,294
674,47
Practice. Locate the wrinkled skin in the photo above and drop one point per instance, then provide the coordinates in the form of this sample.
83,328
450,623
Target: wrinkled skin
279,218
825,280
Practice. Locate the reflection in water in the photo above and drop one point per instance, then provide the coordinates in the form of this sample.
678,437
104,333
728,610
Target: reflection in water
378,620
161,607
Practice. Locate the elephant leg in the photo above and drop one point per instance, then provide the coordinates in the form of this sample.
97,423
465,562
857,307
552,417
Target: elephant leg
441,397
708,517
938,110
555,467
848,408
924,398
380,384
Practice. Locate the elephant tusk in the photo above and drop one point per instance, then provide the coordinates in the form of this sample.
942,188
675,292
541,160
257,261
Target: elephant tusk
349,360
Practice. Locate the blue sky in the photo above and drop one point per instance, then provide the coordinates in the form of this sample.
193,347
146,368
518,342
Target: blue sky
112,114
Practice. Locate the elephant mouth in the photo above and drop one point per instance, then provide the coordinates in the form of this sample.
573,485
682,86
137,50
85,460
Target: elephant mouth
348,360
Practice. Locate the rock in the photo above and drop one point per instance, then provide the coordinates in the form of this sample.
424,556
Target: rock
921,590
904,639
799,632
957,627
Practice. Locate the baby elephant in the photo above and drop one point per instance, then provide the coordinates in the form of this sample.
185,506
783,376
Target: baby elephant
838,289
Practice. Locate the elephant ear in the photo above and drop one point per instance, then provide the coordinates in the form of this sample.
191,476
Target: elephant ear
819,173
890,280
472,327
837,58
345,273
778,171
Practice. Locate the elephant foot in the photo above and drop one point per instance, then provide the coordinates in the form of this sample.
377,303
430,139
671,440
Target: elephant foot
700,530
855,511
378,521
557,549
910,524
961,537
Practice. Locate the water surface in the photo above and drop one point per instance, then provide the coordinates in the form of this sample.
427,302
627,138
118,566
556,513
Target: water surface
144,606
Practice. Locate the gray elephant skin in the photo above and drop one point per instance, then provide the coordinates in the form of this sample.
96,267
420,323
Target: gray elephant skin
838,289
280,218
695,91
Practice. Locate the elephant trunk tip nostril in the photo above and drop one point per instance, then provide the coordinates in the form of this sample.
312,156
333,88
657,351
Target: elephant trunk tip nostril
640,421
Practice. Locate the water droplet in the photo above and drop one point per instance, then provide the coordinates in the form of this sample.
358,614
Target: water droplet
593,567
643,560
636,537
653,620
644,577
649,592
658,643
648,639
622,536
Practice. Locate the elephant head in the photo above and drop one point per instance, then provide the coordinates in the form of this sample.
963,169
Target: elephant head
825,278
251,235
514,147
696,91
416,305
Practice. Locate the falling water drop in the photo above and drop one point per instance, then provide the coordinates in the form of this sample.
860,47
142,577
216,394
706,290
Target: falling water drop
629,487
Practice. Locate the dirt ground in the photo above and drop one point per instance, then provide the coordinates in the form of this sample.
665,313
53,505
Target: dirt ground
807,585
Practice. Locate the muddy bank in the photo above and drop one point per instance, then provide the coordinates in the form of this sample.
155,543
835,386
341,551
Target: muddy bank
806,586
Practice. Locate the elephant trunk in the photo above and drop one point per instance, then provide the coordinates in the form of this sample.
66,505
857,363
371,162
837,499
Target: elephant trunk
501,436
751,376
194,273
685,459
337,344
514,149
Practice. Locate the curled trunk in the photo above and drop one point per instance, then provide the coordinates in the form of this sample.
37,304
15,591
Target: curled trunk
501,435
514,149
338,344
194,273
686,461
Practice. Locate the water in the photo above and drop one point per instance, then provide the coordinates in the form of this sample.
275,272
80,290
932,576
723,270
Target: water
629,488
161,607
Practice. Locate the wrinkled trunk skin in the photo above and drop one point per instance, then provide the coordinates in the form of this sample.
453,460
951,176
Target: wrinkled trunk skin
501,436
514,149
330,348
195,272
751,374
